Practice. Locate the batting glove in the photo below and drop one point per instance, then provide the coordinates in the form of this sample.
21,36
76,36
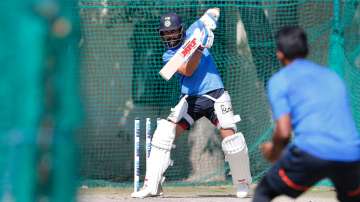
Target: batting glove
207,38
210,18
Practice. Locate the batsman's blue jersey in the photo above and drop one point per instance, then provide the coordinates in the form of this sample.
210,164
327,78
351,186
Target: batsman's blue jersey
205,78
318,104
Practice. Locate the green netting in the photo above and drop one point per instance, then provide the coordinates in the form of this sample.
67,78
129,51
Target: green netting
39,105
121,53
350,30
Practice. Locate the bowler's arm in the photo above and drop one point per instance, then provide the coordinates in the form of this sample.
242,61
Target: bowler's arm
281,137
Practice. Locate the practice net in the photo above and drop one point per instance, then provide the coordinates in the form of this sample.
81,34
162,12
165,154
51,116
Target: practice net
122,54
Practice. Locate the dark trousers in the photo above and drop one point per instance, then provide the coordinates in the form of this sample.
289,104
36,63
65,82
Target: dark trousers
200,106
297,171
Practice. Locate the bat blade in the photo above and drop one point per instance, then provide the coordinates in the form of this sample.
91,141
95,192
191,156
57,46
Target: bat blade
181,55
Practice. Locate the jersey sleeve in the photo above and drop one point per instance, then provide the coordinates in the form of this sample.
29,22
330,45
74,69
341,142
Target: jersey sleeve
278,96
166,57
192,27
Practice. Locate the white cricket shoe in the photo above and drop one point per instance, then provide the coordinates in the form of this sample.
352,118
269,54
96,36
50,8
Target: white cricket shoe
145,192
242,190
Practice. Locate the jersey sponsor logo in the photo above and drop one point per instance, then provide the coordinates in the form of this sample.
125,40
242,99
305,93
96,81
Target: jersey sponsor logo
189,46
225,109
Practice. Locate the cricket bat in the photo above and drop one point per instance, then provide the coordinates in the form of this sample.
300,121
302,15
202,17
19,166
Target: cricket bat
181,55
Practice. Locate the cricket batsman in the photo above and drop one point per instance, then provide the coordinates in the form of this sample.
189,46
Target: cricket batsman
202,94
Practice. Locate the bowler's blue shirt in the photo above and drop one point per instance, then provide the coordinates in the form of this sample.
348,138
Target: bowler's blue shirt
205,78
317,101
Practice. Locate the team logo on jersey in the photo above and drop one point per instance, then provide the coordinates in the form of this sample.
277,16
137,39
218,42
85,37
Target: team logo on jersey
167,22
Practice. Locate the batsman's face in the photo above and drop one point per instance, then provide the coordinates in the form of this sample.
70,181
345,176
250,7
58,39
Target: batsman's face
172,38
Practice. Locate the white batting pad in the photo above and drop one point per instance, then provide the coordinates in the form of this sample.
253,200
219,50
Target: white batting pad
159,159
164,135
236,154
